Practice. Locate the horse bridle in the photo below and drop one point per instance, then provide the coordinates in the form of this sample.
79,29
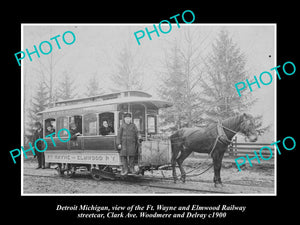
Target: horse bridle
235,132
221,132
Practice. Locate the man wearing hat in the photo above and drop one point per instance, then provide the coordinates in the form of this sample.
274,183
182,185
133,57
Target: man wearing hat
127,141
38,133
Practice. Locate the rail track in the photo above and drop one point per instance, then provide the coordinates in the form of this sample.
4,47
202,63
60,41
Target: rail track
146,182
165,185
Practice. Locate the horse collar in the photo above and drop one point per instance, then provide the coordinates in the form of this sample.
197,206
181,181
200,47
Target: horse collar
222,137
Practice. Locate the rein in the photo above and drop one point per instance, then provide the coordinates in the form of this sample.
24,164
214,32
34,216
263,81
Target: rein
221,137
221,134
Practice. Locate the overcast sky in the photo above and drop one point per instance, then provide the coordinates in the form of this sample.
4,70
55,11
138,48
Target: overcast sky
97,47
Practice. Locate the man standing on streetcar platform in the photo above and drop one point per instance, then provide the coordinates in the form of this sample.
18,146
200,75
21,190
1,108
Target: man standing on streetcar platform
127,143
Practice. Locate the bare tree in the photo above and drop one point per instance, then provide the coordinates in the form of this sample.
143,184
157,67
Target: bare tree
66,88
93,86
180,81
37,103
178,85
47,65
128,75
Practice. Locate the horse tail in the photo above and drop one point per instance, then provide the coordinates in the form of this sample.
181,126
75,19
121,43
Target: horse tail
176,147
176,143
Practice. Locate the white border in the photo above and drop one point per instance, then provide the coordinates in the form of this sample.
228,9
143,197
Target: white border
141,24
22,108
275,109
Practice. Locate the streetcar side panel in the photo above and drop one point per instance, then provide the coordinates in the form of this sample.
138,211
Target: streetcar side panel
98,150
99,143
83,157
57,144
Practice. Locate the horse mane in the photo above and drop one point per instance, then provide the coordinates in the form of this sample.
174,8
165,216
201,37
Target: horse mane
239,122
234,121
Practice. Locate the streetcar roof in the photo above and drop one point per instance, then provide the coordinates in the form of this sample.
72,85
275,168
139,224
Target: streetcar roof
105,96
148,101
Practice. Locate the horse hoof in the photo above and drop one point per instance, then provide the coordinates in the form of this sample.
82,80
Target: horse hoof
182,179
218,185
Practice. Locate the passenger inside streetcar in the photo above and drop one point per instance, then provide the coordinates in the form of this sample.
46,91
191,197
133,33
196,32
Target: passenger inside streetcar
50,130
106,129
74,134
50,126
75,129
106,123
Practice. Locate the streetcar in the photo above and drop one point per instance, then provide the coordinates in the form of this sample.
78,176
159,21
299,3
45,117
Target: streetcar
95,152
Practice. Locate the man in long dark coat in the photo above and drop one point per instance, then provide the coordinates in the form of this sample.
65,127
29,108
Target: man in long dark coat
127,141
38,133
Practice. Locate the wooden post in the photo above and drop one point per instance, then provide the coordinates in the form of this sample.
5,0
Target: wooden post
235,146
230,149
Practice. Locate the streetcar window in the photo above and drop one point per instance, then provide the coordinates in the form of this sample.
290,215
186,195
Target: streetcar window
50,126
106,123
121,117
90,124
75,124
62,122
151,122
138,116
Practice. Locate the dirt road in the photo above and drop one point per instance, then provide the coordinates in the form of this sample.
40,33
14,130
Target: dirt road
255,180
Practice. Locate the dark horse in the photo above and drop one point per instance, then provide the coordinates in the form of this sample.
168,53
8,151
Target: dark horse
213,140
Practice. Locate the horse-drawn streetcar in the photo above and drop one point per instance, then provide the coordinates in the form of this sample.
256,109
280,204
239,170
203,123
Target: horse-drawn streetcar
94,123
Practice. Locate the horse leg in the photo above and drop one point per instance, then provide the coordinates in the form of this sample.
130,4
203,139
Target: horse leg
217,161
175,151
184,154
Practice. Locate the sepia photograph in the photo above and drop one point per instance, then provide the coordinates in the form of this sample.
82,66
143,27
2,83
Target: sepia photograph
108,111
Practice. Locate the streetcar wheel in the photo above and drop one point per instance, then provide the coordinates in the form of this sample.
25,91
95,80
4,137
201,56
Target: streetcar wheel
142,171
59,170
95,175
68,173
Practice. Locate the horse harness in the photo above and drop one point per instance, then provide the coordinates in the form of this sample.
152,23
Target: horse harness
222,137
